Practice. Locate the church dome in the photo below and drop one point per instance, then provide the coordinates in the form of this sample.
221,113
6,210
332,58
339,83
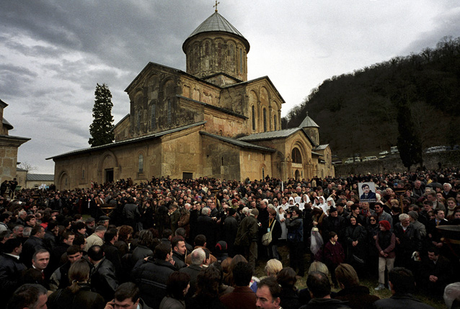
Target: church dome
217,23
217,48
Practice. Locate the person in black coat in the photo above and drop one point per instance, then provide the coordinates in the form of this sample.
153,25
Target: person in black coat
230,228
207,226
402,286
334,223
10,269
111,252
151,275
435,272
358,296
289,295
32,244
103,278
408,241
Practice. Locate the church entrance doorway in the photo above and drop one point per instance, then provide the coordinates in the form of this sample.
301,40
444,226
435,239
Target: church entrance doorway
186,175
109,175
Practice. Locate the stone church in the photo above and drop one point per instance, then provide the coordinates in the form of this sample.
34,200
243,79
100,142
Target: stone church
8,148
208,121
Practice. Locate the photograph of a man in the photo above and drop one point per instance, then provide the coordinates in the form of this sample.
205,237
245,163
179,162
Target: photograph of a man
366,192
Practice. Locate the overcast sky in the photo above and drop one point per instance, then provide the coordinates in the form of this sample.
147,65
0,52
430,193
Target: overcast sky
53,52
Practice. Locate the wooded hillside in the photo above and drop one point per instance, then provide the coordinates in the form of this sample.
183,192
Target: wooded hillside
357,112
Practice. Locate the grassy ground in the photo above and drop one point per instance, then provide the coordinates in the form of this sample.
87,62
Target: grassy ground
301,283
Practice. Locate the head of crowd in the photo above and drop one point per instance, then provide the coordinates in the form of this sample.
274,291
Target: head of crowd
211,243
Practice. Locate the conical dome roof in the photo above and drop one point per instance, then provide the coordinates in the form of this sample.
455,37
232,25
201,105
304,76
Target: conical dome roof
217,23
308,123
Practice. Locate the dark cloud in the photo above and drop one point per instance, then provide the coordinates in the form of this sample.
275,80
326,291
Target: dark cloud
53,52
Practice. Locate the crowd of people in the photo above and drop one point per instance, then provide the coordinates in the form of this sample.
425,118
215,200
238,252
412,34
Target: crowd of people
172,243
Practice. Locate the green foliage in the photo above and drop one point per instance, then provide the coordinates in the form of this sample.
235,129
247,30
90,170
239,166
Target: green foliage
409,145
356,113
101,129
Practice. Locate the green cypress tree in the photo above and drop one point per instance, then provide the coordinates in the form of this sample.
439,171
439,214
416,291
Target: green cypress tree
101,129
409,144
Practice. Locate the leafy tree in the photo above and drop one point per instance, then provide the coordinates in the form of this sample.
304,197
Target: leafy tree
102,126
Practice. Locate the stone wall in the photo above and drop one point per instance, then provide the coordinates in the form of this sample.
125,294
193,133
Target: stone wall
393,163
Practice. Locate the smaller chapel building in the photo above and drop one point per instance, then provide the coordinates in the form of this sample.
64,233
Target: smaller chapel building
208,121
8,148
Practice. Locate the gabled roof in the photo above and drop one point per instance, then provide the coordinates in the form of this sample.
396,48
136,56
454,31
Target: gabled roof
128,141
7,124
322,147
274,135
217,23
237,142
308,123
121,120
213,107
255,80
269,135
3,104
40,177
149,65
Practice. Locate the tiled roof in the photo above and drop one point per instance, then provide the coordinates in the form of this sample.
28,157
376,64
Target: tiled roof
237,142
7,124
269,135
40,177
217,23
308,123
322,147
128,141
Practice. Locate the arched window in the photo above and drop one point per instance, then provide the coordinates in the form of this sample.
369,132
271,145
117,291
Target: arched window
253,118
274,122
296,157
141,163
265,119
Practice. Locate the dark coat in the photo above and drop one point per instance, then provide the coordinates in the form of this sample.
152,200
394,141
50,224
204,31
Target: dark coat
207,226
10,276
275,228
192,271
151,277
141,252
295,225
334,224
113,255
386,242
325,303
442,269
84,298
409,240
28,249
358,297
401,301
179,260
242,297
247,231
202,302
289,299
333,254
230,229
104,280
356,233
